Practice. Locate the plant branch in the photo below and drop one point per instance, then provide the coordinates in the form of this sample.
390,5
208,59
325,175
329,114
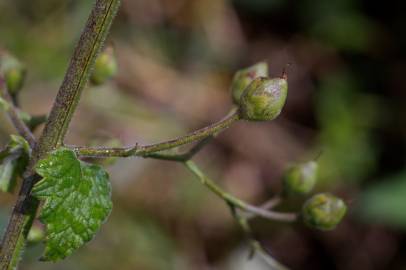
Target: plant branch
14,115
146,150
183,157
230,199
256,246
90,43
271,203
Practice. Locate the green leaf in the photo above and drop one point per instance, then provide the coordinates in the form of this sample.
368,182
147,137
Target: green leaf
77,201
384,202
13,159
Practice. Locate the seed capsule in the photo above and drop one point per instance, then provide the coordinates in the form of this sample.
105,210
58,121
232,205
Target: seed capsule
244,77
323,211
105,67
264,99
300,178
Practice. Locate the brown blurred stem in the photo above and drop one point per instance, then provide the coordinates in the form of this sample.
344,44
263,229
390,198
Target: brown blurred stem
14,115
82,62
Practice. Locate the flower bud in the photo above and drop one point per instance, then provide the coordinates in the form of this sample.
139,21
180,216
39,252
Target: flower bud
323,211
244,77
300,178
36,234
263,99
13,72
105,67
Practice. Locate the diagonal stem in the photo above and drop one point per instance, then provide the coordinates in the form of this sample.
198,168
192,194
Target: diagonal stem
230,199
90,43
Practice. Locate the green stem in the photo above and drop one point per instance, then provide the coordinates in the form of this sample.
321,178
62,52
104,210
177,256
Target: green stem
287,217
146,150
90,43
13,113
183,157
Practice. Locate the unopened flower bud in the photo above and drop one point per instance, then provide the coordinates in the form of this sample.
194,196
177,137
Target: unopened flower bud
13,72
36,234
263,99
300,178
244,77
323,211
105,67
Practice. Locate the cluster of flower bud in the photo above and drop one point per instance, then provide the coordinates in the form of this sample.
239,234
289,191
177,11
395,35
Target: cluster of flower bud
261,98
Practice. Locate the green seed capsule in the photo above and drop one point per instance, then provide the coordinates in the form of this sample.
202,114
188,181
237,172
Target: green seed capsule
13,72
264,99
300,178
323,211
244,77
105,67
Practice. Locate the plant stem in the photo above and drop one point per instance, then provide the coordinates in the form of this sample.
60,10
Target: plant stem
287,217
183,157
13,113
256,246
271,203
90,43
146,150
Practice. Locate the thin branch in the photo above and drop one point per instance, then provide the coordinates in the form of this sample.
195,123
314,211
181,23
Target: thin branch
271,203
13,113
90,43
146,150
183,157
256,246
286,217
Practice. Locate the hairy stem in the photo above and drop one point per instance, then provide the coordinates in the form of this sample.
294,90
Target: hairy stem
146,150
90,43
13,113
230,199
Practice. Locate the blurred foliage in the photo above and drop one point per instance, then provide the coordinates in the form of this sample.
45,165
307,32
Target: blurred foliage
384,203
176,60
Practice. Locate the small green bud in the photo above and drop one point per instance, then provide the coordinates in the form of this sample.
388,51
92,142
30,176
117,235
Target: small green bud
264,99
300,178
323,211
244,77
36,234
13,72
105,67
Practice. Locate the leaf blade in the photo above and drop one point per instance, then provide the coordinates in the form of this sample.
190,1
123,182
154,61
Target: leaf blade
77,199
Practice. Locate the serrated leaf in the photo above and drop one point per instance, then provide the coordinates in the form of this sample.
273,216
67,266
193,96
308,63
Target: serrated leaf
13,159
77,199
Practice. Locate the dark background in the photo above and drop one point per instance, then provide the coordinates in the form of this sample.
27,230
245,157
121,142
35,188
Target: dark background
177,57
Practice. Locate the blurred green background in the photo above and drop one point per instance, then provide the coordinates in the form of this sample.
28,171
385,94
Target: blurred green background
347,101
